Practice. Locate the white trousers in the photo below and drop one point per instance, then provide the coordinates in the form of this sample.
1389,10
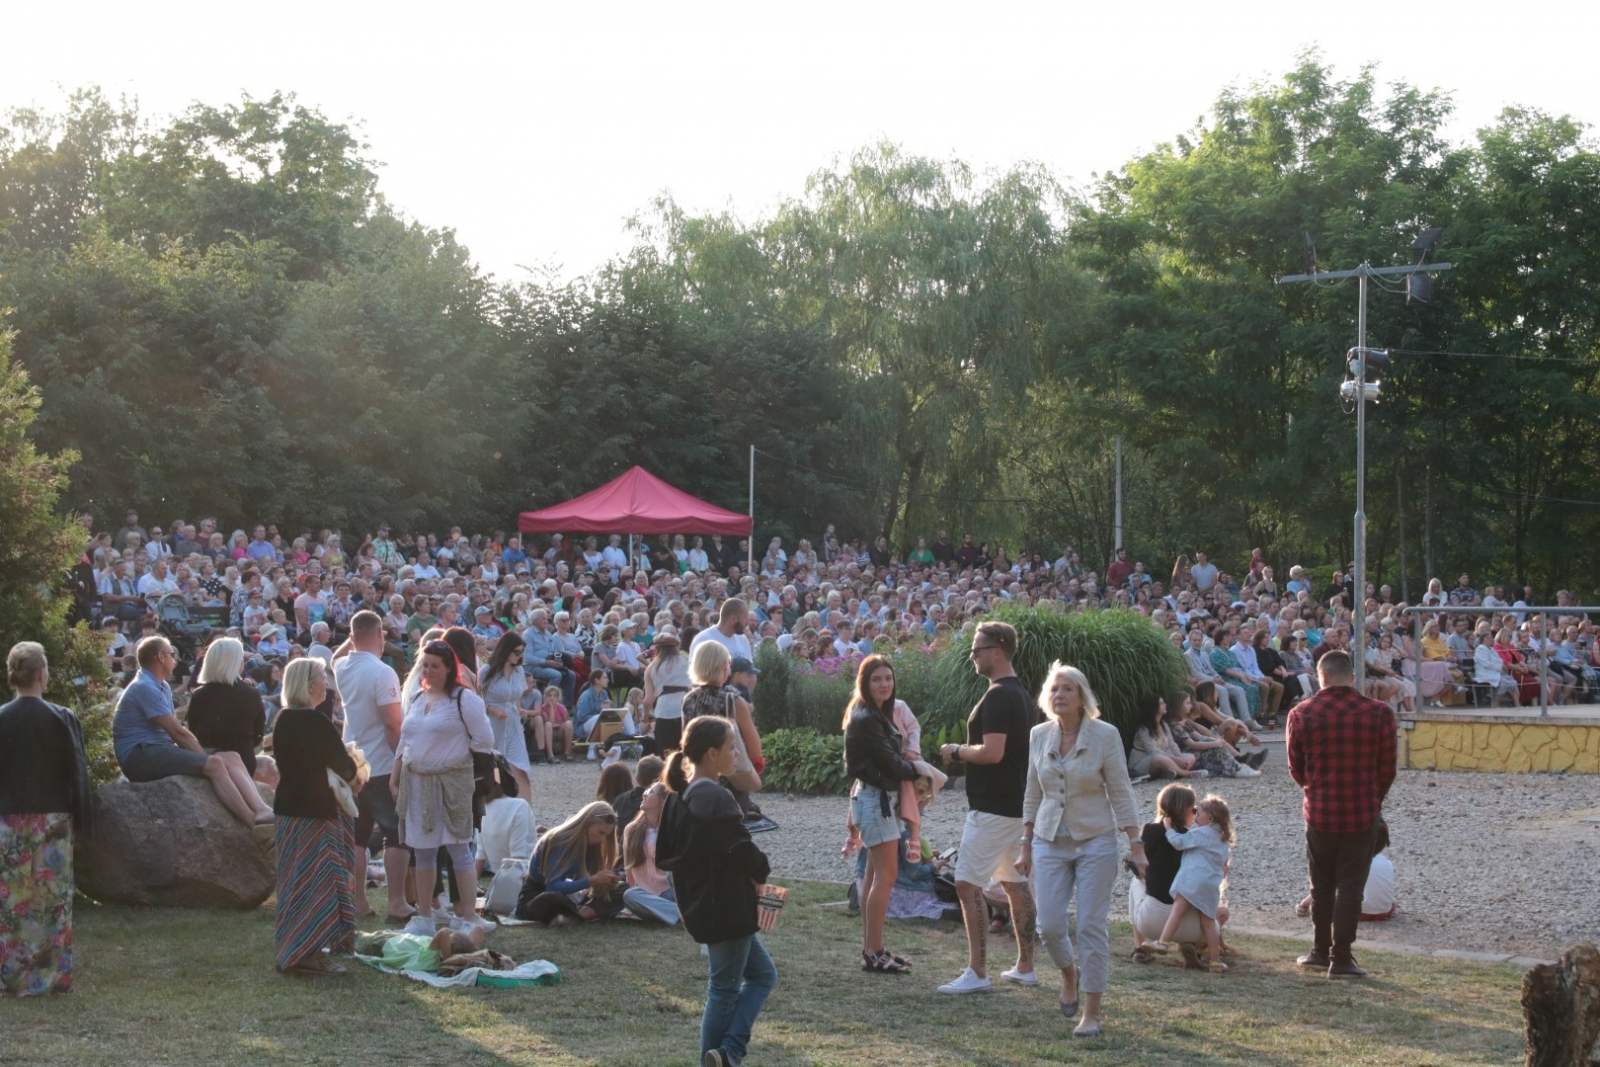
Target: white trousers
1061,867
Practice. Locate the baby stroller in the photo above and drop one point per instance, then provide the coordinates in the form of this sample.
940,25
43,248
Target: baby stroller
178,625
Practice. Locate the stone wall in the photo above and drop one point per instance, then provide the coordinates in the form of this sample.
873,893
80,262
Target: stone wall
1446,741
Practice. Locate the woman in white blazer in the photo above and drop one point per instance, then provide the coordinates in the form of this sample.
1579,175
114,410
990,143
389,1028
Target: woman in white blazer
1078,797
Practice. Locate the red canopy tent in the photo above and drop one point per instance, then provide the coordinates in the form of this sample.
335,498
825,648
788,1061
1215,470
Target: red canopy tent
636,503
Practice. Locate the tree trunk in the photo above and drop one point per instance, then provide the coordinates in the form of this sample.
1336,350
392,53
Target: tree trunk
913,484
1561,1008
891,509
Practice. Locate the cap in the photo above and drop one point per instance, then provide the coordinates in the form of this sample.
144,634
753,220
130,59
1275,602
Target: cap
626,624
482,610
742,665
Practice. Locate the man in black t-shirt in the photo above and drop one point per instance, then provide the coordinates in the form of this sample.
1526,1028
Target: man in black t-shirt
996,755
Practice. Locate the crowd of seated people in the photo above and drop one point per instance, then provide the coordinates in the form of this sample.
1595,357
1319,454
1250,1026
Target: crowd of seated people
595,619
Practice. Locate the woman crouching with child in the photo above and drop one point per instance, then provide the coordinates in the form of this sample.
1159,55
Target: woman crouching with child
715,869
1204,835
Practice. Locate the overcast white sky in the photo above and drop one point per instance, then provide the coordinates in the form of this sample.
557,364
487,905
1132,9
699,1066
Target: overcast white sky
537,129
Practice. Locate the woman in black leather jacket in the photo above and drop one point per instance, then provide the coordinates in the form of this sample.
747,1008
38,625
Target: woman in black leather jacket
872,755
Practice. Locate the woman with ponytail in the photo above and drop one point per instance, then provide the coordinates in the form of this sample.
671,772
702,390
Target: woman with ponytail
715,869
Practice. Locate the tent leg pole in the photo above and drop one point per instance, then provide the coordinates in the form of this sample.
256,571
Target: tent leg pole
750,542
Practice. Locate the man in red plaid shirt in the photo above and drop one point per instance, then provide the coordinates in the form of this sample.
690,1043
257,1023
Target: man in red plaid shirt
1341,749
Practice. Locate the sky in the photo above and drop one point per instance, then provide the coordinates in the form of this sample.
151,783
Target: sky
536,130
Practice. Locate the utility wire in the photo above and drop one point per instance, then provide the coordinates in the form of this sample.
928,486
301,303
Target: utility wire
1494,355
1531,496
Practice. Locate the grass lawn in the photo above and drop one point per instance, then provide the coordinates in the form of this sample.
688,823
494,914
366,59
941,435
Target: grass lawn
172,987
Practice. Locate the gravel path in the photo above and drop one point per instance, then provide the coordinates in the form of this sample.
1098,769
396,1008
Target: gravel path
1503,863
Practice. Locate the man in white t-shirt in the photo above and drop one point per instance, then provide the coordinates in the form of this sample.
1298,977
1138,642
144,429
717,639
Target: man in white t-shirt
370,692
157,584
1204,572
319,644
729,632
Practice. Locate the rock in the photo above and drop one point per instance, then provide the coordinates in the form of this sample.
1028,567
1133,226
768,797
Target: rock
171,843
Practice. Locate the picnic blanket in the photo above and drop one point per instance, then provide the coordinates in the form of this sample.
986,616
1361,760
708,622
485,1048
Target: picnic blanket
534,972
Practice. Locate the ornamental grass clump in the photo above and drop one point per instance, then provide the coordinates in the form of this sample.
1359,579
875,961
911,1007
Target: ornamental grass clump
1122,653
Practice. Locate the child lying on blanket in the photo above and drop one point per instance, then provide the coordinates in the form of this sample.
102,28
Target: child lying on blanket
413,952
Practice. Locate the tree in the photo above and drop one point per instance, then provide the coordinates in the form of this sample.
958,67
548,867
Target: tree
933,296
40,545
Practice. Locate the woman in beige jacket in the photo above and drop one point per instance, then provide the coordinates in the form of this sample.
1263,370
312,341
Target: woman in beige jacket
1078,796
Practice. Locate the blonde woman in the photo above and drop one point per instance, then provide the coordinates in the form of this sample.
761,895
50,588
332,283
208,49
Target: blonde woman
1078,796
226,713
315,843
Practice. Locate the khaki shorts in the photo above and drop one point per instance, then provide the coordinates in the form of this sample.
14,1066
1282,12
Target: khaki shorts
990,845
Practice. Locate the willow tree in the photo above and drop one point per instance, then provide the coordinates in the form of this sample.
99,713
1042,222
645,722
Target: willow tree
938,293
933,294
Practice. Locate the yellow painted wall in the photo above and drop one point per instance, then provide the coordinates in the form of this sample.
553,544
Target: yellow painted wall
1502,746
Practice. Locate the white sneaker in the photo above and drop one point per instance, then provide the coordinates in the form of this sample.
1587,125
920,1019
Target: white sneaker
592,751
421,926
1031,978
967,982
466,925
1246,772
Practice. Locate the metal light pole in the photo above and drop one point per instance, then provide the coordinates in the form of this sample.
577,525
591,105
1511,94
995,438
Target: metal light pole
1358,613
1359,359
1118,522
750,543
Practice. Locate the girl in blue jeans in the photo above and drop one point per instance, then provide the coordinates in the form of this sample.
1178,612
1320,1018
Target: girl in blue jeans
716,868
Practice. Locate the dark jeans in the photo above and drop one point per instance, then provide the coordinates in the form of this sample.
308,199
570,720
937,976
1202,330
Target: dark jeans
1339,864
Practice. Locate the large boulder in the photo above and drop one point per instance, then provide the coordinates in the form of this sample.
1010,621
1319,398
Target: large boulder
171,843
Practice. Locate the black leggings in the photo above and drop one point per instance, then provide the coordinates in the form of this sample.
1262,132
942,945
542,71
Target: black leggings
669,735
545,907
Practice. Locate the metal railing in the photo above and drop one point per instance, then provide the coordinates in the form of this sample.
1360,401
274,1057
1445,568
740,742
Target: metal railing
1543,611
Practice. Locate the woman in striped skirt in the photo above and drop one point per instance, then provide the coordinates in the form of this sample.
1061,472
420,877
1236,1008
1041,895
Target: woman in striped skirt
316,853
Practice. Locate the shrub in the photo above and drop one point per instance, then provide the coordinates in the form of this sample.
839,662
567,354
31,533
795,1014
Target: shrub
804,761
1122,653
771,710
817,700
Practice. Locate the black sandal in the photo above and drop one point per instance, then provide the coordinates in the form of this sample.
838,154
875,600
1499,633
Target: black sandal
883,963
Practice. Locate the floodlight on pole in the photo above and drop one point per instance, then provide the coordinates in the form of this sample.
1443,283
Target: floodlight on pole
1364,362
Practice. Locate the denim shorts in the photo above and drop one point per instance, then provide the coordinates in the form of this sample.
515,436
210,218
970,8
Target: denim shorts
866,812
149,763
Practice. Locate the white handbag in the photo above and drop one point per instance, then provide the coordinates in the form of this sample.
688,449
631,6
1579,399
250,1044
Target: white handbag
343,794
505,886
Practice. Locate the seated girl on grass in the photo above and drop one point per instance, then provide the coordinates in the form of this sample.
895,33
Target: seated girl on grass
570,874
